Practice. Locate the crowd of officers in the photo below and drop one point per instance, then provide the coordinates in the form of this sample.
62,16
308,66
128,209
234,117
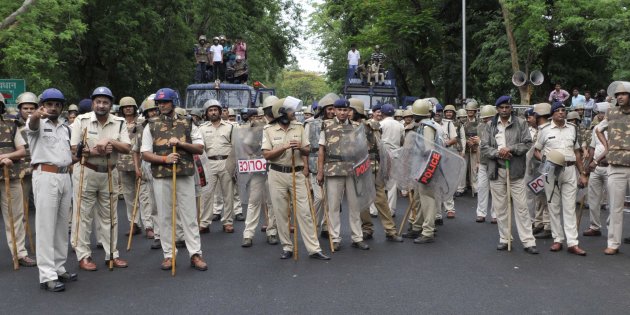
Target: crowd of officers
177,172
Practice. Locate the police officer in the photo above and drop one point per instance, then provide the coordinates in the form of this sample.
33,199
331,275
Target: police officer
146,199
285,145
106,138
13,148
51,157
217,136
541,225
163,133
392,137
423,227
202,55
73,112
373,134
618,156
449,138
483,187
563,137
471,150
598,174
27,105
505,142
338,175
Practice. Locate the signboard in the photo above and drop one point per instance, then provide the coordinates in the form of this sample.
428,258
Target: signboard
252,166
537,184
11,88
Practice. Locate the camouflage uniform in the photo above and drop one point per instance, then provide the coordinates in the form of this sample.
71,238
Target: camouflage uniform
617,122
201,59
155,139
339,179
10,140
373,134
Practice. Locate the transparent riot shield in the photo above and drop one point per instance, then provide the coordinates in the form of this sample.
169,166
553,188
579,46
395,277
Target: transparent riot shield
314,127
356,151
423,165
247,145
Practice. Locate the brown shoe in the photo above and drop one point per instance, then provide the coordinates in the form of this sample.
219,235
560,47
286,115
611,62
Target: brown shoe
555,247
197,262
228,228
167,264
611,251
118,263
27,262
87,264
450,214
494,221
576,250
591,232
204,230
263,228
136,230
150,233
480,220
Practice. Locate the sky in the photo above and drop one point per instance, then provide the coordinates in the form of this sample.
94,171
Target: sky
307,54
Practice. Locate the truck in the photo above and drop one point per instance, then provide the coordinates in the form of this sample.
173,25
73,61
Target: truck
387,93
235,96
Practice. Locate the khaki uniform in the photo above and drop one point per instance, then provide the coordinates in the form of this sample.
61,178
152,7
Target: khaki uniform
597,184
281,186
372,132
425,202
541,210
561,197
449,131
218,145
318,192
471,156
618,157
26,172
50,144
96,197
155,137
10,139
393,135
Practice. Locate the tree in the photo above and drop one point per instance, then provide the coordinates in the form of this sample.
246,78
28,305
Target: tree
306,86
12,18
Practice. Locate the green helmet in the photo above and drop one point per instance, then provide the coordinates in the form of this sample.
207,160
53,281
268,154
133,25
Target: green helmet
398,113
357,105
128,101
180,111
196,112
472,105
461,113
450,107
269,100
487,111
421,107
26,97
573,115
328,100
148,104
407,112
73,107
542,109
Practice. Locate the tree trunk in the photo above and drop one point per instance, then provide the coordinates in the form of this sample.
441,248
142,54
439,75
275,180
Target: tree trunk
523,90
10,20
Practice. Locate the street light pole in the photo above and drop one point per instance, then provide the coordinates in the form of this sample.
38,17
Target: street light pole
463,51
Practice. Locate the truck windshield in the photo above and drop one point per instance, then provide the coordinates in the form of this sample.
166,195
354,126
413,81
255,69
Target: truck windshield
229,98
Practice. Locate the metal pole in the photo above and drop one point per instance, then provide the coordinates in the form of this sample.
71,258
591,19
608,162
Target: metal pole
463,51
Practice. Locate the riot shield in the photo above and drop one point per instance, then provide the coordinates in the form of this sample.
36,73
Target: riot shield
356,151
427,166
385,164
247,145
314,129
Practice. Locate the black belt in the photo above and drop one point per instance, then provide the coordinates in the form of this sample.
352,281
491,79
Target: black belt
570,163
285,169
218,157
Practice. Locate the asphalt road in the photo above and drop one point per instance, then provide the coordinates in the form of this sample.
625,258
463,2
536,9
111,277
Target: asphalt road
461,273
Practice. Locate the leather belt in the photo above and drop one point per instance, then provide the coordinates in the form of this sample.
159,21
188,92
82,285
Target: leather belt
218,157
285,169
52,168
97,168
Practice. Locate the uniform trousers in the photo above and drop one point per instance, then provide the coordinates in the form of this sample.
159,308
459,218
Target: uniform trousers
219,202
186,213
426,209
17,207
318,202
562,205
53,195
146,199
335,188
618,182
498,188
392,196
385,215
219,180
483,192
472,161
596,186
128,184
95,206
259,198
281,191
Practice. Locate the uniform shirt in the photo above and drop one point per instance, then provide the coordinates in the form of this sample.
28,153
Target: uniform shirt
217,140
597,145
500,136
448,130
353,57
114,128
322,134
147,138
532,132
50,144
392,133
563,139
274,136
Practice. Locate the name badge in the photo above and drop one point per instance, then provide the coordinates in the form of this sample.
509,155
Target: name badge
47,130
93,132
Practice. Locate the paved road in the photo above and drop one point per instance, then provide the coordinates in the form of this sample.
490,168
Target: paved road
461,273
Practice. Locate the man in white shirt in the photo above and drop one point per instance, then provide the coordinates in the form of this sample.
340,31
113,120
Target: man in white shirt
577,98
216,51
354,58
393,134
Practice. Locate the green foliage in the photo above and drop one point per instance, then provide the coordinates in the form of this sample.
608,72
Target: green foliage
307,86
